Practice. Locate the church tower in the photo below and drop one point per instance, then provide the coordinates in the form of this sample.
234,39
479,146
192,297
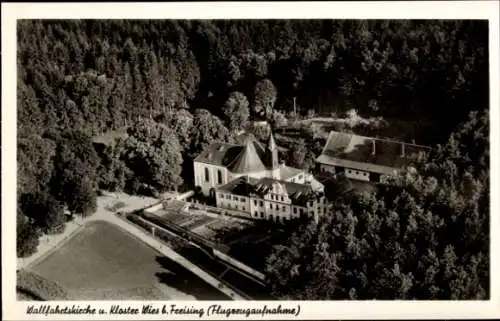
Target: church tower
273,161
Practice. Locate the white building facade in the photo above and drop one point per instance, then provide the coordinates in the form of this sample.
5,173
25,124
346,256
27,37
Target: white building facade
250,178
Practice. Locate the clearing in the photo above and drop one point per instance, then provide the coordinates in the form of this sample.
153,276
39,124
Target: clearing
103,262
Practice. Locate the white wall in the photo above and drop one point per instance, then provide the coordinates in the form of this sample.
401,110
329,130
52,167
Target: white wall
199,176
235,202
299,178
357,174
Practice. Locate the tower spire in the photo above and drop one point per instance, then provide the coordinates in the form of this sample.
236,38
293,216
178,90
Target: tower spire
271,144
272,152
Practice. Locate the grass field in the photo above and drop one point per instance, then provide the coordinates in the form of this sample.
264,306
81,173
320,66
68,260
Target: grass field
102,262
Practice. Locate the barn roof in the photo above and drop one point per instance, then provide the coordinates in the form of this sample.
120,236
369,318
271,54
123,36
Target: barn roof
367,153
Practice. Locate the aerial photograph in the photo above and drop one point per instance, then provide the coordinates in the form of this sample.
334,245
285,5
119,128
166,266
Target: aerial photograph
253,159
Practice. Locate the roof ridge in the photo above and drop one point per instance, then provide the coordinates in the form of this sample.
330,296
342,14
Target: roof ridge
247,160
389,140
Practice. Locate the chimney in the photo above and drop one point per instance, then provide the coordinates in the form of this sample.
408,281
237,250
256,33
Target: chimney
373,147
402,149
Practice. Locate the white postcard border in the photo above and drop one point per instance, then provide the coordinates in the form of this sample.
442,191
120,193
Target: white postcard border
15,310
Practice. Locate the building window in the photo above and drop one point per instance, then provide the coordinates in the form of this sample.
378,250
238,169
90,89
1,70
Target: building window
261,214
255,202
244,209
284,208
242,199
219,176
255,214
294,210
228,197
235,198
261,203
236,207
207,175
300,176
282,199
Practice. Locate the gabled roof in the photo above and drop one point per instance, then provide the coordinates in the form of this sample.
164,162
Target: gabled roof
219,153
242,185
227,155
287,172
367,153
248,160
299,194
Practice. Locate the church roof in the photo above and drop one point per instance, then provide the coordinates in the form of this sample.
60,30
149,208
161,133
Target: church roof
247,160
249,154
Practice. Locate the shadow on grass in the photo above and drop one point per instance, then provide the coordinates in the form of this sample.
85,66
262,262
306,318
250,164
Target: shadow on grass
187,282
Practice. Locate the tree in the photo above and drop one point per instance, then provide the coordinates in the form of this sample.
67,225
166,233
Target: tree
83,201
27,237
265,95
423,236
35,163
45,211
173,94
153,153
236,110
76,163
298,153
207,128
278,120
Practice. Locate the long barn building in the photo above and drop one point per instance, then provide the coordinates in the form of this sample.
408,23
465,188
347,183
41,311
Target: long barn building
366,158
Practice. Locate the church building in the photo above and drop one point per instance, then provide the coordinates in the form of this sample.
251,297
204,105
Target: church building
250,178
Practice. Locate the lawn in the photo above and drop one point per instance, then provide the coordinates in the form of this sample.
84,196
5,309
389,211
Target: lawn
102,262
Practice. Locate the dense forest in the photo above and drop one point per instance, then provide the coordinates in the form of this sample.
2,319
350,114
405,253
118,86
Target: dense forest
424,236
175,86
